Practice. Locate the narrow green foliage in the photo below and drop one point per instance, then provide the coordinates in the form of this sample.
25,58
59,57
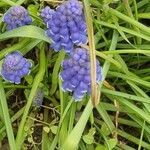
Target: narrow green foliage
5,111
55,75
77,131
26,31
129,20
119,36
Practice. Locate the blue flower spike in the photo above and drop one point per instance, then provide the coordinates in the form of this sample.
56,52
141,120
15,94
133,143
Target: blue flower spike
66,25
16,16
15,67
38,99
76,73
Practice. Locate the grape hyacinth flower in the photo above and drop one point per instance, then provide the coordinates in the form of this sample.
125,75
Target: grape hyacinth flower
16,16
46,14
38,99
14,67
66,26
76,73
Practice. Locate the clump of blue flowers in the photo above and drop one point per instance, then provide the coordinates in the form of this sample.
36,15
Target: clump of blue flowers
14,67
66,25
16,16
76,73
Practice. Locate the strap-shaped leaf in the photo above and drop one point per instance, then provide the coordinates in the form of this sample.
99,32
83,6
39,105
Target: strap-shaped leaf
29,31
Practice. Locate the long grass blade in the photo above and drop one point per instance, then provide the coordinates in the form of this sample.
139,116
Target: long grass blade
7,119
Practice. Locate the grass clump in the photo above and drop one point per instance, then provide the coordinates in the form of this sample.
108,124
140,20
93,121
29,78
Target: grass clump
119,36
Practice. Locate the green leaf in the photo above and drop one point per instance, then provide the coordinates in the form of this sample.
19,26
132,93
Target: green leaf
101,147
29,31
132,32
88,139
105,130
103,113
112,143
54,129
55,74
33,9
77,131
46,129
9,2
29,79
5,111
129,20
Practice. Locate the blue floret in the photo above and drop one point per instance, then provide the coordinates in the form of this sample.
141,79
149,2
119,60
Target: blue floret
16,16
66,25
14,67
76,73
46,13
